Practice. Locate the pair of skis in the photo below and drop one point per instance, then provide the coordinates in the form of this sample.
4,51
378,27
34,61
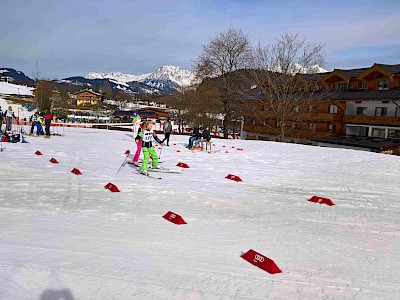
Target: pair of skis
158,170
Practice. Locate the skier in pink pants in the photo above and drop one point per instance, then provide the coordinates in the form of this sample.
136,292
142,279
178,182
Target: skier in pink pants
136,123
138,147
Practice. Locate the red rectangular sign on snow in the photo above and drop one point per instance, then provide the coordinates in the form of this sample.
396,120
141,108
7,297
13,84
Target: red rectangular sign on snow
174,218
321,200
261,261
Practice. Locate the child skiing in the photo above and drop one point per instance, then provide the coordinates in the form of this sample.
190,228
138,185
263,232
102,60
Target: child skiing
146,137
136,129
138,146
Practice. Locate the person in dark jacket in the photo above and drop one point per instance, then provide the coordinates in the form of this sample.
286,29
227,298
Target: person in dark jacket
47,121
167,130
1,120
206,135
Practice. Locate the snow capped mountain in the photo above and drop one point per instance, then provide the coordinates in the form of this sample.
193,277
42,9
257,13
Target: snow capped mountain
311,70
165,78
173,74
117,76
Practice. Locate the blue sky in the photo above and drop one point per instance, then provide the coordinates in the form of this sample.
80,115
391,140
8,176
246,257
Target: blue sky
71,38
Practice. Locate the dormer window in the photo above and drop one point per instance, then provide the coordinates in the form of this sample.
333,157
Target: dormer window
383,85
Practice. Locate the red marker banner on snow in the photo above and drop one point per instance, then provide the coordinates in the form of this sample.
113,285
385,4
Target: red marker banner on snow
38,153
174,218
182,165
127,152
321,200
233,177
112,187
76,171
53,160
261,261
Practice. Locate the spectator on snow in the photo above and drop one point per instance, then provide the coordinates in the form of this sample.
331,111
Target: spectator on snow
9,114
167,130
47,120
1,120
34,119
206,135
147,135
38,123
195,135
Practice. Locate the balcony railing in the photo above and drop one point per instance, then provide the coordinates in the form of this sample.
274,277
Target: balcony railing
325,117
372,120
288,132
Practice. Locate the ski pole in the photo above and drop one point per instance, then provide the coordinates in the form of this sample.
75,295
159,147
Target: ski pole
159,156
123,163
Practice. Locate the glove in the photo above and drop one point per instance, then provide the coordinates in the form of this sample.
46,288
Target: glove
158,140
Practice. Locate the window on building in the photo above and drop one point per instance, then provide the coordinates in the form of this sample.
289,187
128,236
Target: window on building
383,85
253,121
361,110
365,85
333,109
332,128
394,134
381,111
397,114
294,125
311,126
327,87
360,85
378,132
295,108
351,86
312,108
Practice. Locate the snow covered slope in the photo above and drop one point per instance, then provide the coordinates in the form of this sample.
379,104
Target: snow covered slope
15,89
64,236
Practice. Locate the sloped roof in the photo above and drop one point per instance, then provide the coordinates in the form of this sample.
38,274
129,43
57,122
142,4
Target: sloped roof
352,72
395,69
362,95
87,90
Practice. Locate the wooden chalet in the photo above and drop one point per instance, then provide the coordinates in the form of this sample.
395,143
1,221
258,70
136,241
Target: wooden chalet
87,97
361,103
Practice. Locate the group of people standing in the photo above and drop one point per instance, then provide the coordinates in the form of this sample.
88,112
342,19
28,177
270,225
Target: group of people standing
38,119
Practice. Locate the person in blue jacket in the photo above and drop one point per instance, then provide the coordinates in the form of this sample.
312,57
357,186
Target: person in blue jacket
195,135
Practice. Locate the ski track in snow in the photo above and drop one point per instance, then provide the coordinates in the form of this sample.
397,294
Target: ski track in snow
63,234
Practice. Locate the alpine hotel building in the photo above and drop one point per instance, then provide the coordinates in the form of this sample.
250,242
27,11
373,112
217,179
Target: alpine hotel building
359,108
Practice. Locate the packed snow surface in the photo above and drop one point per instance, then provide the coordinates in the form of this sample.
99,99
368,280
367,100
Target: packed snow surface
64,236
